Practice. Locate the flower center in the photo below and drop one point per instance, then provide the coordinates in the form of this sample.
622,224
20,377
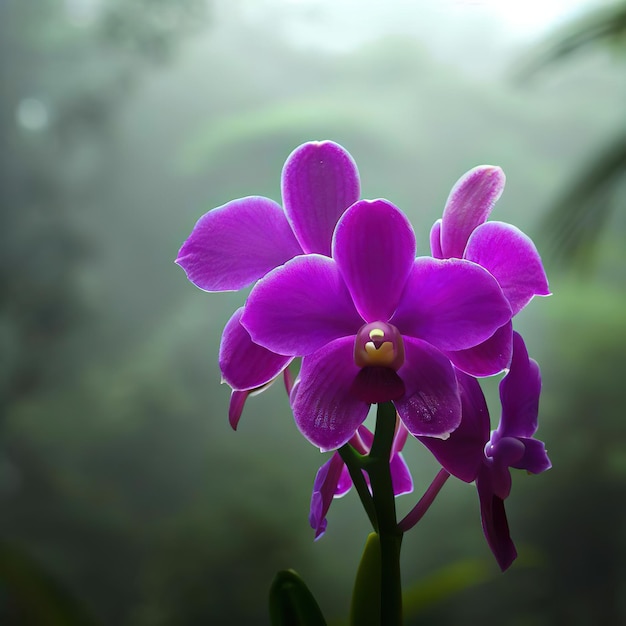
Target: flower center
379,344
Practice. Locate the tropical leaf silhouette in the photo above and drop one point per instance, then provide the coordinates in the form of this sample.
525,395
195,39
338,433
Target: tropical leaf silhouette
576,219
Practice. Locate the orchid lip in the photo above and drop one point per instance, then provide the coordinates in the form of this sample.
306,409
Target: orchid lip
379,344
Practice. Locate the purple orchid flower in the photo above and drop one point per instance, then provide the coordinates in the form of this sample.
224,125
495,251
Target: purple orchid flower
333,478
504,250
234,245
371,323
472,454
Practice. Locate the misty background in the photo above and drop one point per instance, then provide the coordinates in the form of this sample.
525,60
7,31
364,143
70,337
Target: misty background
125,497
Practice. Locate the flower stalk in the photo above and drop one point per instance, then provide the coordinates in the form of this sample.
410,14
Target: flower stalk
385,505
380,506
355,463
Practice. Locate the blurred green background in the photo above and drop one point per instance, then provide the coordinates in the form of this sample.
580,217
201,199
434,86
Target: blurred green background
125,497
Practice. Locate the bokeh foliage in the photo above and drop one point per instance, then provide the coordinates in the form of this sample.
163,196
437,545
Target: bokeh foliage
579,216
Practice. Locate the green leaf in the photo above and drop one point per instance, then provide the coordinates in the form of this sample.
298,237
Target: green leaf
576,219
365,609
603,25
291,602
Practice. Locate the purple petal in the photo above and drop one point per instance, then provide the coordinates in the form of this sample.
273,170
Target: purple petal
235,408
399,438
378,384
362,440
512,258
324,488
494,522
238,400
435,240
345,483
288,380
366,438
431,405
401,480
535,459
300,307
325,410
469,205
489,357
232,246
374,246
500,480
453,304
519,394
462,454
320,181
243,363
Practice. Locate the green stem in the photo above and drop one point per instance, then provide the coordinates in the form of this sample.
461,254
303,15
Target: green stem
355,463
390,535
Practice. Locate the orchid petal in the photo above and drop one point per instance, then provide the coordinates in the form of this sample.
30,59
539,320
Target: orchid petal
362,440
238,400
489,357
431,405
494,522
243,363
233,245
462,453
345,483
366,437
435,240
324,487
512,258
400,437
501,482
320,181
401,480
378,384
288,380
374,246
535,459
300,307
453,304
235,408
325,410
519,394
469,205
